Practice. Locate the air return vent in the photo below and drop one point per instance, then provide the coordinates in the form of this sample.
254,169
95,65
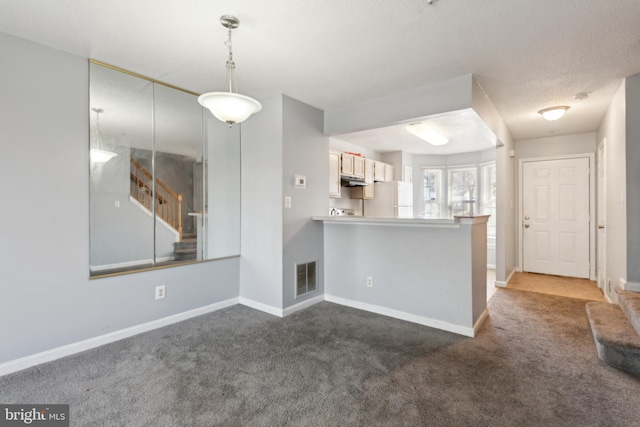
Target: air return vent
305,278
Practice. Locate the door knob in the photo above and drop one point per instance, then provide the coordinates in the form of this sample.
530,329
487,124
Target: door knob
526,226
526,218
601,227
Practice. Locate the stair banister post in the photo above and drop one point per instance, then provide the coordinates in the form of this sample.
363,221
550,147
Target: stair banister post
180,215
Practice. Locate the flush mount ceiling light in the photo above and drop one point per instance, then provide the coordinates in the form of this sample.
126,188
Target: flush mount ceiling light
230,107
426,133
553,113
97,154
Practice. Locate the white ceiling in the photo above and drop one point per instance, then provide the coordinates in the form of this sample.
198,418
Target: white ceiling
527,55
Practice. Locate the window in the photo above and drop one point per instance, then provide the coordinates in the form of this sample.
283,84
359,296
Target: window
462,190
489,196
432,193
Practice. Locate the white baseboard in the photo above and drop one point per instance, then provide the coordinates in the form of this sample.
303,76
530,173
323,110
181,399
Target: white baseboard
630,286
69,349
501,284
302,305
275,311
476,326
426,321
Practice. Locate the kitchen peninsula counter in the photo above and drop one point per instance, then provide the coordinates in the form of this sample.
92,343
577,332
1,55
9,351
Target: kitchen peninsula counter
427,271
414,222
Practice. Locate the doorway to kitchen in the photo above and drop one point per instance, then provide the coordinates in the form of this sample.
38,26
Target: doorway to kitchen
555,216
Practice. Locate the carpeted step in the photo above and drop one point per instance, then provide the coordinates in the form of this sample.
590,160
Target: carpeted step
617,342
630,303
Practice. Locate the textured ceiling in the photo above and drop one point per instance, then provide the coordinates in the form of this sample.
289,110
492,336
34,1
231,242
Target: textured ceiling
526,54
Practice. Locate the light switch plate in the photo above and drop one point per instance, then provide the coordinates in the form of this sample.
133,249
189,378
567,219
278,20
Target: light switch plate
287,202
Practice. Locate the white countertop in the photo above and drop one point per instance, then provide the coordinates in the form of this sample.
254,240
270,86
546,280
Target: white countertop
412,222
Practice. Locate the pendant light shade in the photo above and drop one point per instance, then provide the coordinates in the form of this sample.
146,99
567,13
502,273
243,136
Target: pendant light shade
98,155
101,156
230,107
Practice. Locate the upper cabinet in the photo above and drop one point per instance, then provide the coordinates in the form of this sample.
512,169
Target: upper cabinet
382,172
365,191
358,166
388,173
352,165
334,173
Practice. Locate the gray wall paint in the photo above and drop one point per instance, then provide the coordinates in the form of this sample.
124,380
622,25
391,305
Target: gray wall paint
223,188
612,130
262,205
442,97
429,280
47,298
305,153
505,177
633,177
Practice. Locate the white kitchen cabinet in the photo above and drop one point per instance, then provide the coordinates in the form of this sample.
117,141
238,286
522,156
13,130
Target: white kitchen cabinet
358,166
388,173
334,174
378,172
346,164
365,191
352,166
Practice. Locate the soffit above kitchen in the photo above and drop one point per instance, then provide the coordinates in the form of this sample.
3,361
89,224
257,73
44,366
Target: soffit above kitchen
464,129
526,55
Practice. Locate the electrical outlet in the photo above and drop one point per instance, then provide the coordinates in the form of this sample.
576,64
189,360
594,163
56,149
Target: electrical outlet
370,282
161,291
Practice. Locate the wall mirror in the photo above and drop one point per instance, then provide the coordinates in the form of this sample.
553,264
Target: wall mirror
164,176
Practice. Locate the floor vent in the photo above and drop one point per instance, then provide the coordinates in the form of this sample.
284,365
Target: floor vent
305,278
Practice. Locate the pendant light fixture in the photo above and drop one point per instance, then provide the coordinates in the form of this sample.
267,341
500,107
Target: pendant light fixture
230,107
97,154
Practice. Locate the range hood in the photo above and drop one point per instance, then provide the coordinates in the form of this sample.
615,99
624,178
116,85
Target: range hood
349,181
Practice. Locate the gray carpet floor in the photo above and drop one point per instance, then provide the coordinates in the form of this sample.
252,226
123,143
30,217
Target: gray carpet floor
533,364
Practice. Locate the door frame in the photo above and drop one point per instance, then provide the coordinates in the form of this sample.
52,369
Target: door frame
592,207
601,194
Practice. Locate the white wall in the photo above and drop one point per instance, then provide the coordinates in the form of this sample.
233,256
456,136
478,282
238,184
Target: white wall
47,297
578,143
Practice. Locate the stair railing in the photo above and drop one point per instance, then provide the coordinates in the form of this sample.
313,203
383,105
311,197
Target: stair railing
168,203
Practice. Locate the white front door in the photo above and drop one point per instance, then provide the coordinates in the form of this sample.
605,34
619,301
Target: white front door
555,217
